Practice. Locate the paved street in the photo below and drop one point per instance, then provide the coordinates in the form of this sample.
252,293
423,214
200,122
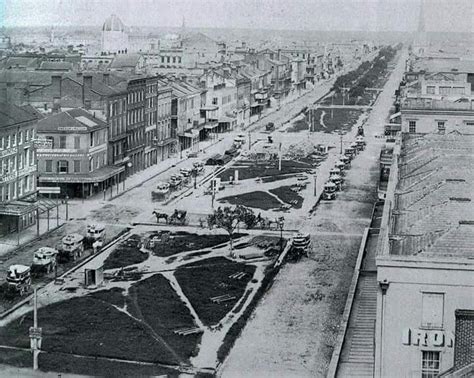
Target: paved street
293,330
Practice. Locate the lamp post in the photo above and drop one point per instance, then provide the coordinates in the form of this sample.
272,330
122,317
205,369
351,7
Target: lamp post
281,224
194,172
67,208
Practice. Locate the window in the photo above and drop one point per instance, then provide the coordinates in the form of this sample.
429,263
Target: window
63,166
20,138
412,127
432,310
444,90
62,141
429,364
77,142
214,101
50,138
91,164
77,166
430,90
441,127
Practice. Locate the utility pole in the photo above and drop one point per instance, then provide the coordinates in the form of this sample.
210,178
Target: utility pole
250,141
340,139
315,178
332,106
279,159
35,333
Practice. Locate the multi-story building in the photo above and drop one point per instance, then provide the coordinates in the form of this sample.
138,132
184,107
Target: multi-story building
17,169
117,120
425,115
186,124
136,104
425,257
76,160
159,140
260,89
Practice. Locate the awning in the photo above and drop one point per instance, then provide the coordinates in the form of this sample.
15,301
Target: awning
393,116
99,175
225,119
211,126
209,108
17,208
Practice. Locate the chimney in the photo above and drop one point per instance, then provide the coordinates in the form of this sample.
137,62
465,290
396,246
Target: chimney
86,88
56,85
106,78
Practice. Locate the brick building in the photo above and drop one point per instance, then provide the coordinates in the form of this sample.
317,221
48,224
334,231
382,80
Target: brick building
17,169
77,161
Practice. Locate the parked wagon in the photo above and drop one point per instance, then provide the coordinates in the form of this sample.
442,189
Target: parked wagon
179,217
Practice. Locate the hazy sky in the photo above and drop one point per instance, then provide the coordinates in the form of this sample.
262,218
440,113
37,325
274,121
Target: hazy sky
441,15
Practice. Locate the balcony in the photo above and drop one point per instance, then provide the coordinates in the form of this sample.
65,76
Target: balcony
163,142
431,104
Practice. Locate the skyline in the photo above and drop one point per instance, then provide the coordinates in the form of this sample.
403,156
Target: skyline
323,15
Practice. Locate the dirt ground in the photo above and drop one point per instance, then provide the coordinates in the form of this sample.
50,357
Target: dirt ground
293,331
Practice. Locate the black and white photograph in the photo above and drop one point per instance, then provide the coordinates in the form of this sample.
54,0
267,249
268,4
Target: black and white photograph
237,188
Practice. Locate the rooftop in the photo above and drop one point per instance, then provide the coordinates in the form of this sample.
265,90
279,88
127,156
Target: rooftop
433,211
70,121
443,65
11,115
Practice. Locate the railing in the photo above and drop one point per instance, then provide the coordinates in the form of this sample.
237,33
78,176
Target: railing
432,104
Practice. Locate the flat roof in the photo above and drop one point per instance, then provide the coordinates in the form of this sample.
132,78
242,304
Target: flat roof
433,212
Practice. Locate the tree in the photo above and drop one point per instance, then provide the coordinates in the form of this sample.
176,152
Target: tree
229,218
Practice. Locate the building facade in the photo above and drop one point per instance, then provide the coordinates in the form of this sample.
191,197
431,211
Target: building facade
18,169
77,158
136,104
425,256
424,115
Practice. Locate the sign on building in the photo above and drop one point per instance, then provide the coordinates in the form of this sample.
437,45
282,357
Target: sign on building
49,189
427,338
42,143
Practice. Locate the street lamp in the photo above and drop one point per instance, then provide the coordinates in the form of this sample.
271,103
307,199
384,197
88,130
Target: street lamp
281,224
194,172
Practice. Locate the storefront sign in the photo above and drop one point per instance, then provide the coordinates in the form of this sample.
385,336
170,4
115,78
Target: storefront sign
72,128
427,338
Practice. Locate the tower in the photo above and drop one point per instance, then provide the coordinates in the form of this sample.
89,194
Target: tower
421,40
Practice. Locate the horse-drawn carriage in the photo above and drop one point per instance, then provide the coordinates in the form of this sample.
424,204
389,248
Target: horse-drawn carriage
178,217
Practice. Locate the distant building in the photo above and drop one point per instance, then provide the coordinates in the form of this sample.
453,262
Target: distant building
77,160
114,36
18,169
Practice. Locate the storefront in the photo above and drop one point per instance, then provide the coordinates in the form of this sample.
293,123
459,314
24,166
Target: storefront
86,184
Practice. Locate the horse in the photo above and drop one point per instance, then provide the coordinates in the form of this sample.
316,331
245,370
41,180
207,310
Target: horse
159,216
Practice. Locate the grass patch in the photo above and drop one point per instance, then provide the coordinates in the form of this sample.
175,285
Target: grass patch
343,119
297,126
126,253
155,302
250,169
90,327
185,242
113,296
209,278
288,196
236,328
257,199
66,363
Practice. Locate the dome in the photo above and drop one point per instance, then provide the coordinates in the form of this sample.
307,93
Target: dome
113,23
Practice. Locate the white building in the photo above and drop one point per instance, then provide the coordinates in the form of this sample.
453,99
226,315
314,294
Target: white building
425,265
114,36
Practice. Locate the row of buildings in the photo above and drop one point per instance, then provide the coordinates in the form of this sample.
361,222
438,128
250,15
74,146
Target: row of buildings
423,273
